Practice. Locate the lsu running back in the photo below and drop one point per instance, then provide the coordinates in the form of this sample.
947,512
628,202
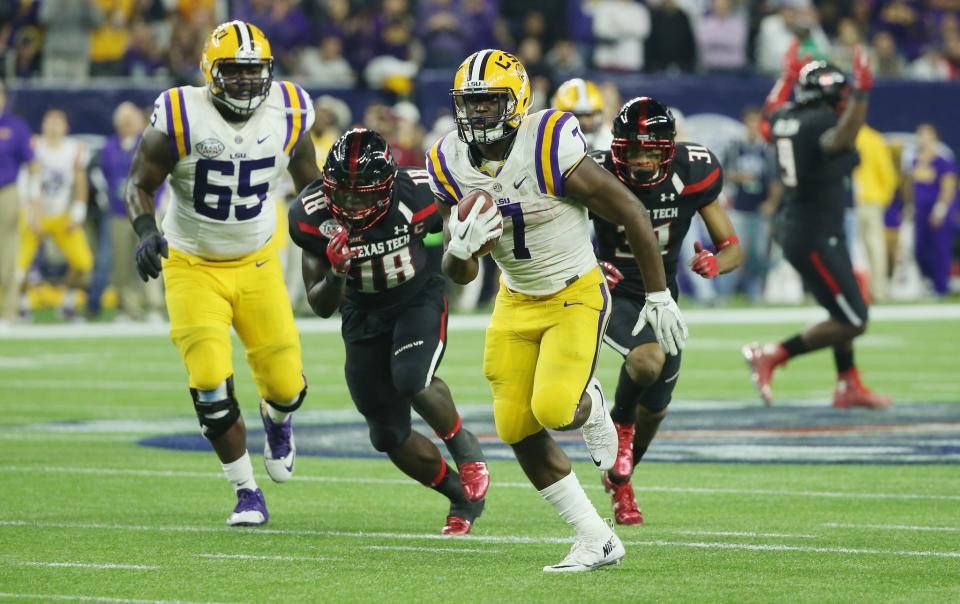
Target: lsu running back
583,99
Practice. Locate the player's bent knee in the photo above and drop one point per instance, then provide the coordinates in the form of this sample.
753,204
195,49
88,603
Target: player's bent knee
644,364
216,408
387,437
554,408
289,404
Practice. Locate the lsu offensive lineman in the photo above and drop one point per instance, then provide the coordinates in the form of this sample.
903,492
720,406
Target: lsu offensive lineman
544,336
225,146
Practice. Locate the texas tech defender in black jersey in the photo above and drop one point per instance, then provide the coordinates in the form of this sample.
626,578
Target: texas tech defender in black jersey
361,228
814,139
675,181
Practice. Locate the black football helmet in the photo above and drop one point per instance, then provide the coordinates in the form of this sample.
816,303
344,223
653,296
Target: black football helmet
358,178
643,123
821,82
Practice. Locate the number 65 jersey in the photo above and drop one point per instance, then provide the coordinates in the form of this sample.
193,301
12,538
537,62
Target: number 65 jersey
226,173
545,244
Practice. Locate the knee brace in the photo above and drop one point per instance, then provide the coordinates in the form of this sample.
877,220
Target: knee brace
387,437
290,408
216,416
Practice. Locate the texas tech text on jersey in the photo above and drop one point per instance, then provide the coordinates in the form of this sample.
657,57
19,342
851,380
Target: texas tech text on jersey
696,181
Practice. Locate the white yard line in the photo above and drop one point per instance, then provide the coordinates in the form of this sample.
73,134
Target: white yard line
412,548
760,547
76,598
268,558
496,539
88,565
724,316
894,527
501,485
745,534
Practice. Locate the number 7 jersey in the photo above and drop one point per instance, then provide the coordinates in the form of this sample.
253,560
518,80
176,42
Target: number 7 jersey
226,173
546,237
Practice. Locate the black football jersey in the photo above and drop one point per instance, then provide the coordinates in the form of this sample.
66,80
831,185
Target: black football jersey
816,184
391,265
696,180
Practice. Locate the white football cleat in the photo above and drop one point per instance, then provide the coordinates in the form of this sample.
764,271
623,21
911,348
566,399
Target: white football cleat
590,554
599,433
279,448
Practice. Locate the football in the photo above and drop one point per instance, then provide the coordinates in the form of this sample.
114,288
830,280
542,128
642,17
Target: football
463,210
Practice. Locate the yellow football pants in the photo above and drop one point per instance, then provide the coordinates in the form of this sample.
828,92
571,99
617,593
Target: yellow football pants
540,353
204,298
71,241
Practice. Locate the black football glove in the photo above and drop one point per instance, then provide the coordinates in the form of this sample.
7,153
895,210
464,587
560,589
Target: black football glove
152,247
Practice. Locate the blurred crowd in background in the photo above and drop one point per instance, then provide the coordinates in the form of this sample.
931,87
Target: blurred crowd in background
381,44
384,44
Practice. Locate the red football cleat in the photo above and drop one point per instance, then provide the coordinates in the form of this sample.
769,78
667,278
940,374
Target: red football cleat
851,392
475,478
625,510
762,361
623,466
456,525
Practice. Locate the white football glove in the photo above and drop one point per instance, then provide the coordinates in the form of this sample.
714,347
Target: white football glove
662,313
468,235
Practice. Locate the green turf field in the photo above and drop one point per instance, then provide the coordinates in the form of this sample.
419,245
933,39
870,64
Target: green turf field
88,514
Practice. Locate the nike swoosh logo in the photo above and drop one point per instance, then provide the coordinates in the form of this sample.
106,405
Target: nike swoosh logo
566,304
259,264
517,184
594,459
260,140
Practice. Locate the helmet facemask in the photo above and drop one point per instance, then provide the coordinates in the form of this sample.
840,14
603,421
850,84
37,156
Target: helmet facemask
485,116
358,207
622,152
241,85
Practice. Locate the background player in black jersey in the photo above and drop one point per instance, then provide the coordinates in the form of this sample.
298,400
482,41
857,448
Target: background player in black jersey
361,228
675,181
814,139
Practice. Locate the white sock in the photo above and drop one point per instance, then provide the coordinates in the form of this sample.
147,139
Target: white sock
240,473
276,415
70,299
570,501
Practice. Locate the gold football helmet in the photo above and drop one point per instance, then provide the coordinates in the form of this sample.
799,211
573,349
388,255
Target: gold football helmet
237,66
491,95
583,99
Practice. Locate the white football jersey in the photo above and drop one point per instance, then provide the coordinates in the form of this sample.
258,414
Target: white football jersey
224,184
546,237
58,166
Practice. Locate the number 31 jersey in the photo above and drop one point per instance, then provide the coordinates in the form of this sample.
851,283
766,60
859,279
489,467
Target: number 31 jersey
696,180
546,237
226,173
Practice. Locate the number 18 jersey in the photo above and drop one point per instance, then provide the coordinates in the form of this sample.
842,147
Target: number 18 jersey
226,173
546,237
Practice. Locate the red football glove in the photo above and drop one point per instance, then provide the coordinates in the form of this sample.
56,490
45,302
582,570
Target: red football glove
611,273
339,253
704,263
862,76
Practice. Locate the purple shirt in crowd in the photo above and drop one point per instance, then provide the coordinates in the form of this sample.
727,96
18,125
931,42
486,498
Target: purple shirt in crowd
114,162
15,150
927,177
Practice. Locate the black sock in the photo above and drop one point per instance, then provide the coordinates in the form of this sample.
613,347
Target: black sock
843,359
464,447
625,400
638,454
794,346
450,486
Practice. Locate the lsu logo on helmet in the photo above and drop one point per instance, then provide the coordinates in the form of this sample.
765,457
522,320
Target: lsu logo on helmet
237,65
491,95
